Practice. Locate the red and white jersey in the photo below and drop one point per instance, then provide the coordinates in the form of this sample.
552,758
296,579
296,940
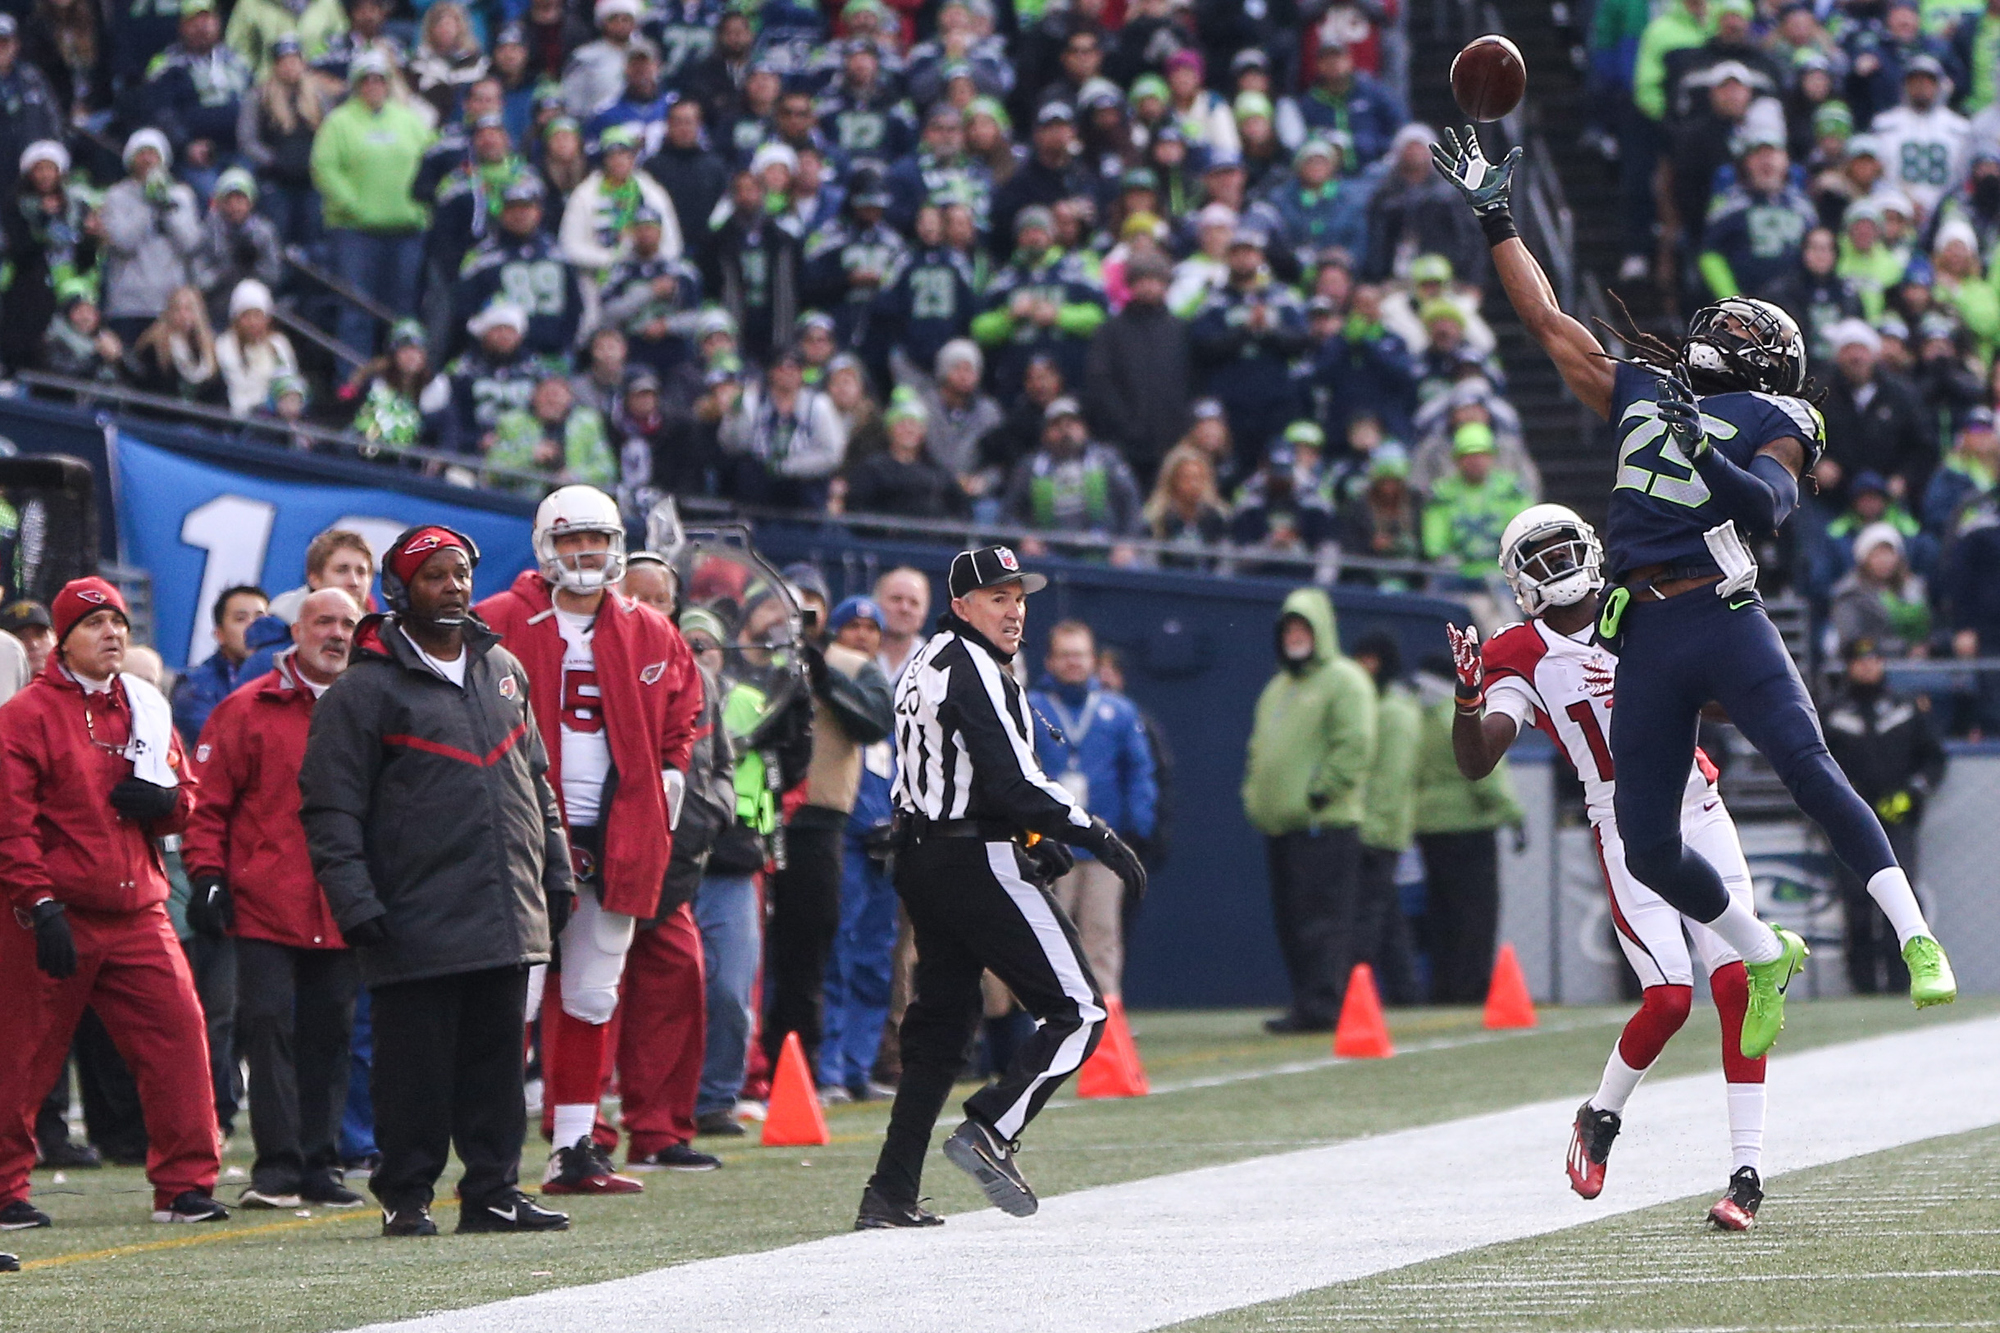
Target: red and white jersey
1562,686
586,750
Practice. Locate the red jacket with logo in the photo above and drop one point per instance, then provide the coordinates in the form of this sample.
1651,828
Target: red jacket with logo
59,836
650,697
245,825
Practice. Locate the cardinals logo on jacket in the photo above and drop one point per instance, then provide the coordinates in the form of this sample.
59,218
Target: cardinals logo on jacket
508,688
651,675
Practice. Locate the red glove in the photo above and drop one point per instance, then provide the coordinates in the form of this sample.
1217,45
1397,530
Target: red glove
1469,667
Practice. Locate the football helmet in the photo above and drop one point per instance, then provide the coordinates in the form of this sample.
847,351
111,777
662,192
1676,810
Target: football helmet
1551,557
1764,352
579,509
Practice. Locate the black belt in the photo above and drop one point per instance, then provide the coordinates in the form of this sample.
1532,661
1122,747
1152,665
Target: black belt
910,827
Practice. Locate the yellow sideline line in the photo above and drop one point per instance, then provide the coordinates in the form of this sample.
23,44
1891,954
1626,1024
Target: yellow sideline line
203,1238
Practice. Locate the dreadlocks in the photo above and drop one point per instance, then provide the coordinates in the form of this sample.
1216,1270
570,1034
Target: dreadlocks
1656,354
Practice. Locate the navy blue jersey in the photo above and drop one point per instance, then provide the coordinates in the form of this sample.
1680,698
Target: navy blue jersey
1660,506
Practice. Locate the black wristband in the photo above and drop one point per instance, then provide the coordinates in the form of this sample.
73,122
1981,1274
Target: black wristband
1498,224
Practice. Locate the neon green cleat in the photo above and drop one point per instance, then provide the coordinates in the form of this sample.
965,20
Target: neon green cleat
1765,1017
1931,981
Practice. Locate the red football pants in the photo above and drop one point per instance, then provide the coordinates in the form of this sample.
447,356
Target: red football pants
131,970
663,1020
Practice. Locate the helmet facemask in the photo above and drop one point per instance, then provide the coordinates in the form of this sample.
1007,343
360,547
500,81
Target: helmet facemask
1554,566
1742,345
572,571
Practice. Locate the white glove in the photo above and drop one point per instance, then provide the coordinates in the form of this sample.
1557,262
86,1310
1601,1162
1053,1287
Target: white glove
1733,557
675,783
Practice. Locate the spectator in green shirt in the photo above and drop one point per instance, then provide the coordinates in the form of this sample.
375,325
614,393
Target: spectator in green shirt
555,437
1470,506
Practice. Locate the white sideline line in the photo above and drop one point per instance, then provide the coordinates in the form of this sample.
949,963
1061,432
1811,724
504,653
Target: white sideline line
1142,1255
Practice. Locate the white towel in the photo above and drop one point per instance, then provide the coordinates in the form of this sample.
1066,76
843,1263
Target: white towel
152,732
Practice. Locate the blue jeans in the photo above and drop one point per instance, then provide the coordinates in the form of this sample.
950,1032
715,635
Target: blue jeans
357,1121
384,265
858,975
732,944
293,211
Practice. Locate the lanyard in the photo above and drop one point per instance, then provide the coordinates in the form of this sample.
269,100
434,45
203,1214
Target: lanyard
1075,727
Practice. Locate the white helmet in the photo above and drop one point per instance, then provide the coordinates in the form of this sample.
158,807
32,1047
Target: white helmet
579,509
1561,573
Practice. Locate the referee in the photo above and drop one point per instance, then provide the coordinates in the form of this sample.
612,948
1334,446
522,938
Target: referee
970,799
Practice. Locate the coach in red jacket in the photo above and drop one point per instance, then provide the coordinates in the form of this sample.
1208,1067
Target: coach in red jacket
615,692
252,877
91,774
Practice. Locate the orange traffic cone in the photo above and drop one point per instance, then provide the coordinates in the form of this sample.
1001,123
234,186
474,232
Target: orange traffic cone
1507,1002
1113,1069
793,1119
1362,1033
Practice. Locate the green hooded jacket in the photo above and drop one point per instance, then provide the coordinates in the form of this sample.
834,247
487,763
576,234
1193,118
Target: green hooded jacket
1674,30
1313,741
1446,801
1389,811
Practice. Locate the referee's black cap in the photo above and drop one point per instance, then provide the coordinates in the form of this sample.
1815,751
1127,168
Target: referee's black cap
988,567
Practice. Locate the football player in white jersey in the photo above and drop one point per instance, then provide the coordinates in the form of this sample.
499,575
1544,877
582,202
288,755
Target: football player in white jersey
1548,673
1926,145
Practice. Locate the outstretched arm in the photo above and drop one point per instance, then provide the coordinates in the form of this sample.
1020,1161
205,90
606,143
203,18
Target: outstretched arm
1579,357
1479,740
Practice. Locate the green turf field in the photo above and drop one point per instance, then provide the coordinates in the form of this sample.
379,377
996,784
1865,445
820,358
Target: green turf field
1223,1092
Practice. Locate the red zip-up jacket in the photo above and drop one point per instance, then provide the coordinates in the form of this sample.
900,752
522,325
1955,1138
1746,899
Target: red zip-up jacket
59,836
245,825
651,699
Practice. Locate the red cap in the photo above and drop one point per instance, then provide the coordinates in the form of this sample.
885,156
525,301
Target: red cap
408,557
78,599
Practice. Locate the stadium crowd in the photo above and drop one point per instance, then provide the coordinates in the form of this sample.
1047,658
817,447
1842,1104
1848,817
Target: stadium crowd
1130,269
1842,160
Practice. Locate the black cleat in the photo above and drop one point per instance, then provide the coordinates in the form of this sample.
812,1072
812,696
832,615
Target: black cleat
1590,1149
413,1220
510,1211
878,1214
9,1263
21,1215
1737,1210
989,1160
69,1155
719,1124
675,1157
1289,1025
191,1206
326,1189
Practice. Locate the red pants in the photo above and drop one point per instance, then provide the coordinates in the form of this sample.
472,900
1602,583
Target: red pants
662,1022
131,970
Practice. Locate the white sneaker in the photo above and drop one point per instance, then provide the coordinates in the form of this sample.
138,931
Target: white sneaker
256,1198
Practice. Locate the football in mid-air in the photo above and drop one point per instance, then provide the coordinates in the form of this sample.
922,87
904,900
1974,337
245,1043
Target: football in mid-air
1488,77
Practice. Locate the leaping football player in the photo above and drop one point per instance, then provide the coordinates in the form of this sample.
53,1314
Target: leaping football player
1713,437
1549,673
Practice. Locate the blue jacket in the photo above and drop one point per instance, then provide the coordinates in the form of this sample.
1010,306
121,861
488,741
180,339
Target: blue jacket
201,688
1104,739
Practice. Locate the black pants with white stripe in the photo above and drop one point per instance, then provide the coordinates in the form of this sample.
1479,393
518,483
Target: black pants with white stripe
972,908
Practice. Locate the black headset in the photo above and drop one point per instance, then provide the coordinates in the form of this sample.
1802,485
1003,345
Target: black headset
394,591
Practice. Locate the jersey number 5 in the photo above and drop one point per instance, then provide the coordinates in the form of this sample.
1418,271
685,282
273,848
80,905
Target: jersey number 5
1650,462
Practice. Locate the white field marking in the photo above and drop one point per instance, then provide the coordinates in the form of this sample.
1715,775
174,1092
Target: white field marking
1686,1279
1568,1024
1148,1253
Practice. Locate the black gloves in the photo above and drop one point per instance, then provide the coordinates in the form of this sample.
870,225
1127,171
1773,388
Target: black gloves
560,906
369,934
1109,848
1050,861
143,802
211,911
55,947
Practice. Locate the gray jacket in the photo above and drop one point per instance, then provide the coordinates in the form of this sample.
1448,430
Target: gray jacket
430,805
148,246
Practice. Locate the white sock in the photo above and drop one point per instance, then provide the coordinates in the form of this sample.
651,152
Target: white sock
1754,941
1746,1126
573,1123
1616,1088
1891,891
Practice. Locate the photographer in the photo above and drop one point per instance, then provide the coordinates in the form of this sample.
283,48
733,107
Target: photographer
152,229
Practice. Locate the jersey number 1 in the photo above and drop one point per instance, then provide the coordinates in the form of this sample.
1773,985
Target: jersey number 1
1585,718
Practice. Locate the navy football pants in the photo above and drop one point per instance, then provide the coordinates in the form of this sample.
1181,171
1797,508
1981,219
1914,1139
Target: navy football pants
1677,656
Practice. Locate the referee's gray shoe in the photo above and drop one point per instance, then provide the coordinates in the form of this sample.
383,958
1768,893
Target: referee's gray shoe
989,1160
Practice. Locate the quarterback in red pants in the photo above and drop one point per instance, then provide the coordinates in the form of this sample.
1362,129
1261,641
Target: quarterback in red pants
616,691
90,775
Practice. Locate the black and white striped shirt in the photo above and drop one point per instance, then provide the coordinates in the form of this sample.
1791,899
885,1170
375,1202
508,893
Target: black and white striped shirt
963,742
